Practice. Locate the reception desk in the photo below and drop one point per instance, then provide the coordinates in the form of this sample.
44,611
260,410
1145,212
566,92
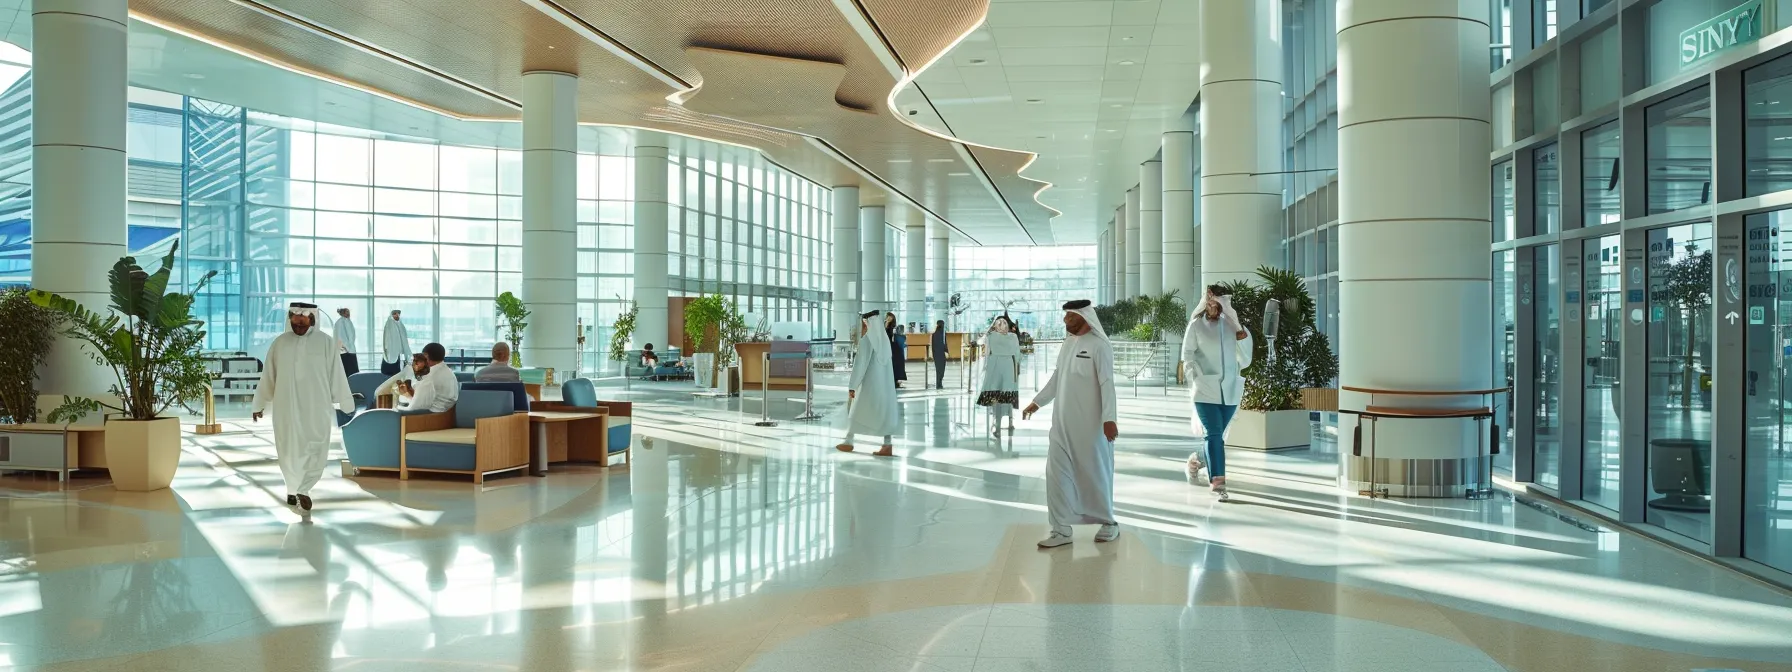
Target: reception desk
787,374
918,344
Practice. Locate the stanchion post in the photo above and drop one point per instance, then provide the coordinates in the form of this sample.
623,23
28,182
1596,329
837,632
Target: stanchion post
808,390
765,391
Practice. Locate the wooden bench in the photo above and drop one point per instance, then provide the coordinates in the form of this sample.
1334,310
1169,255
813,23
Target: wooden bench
1375,413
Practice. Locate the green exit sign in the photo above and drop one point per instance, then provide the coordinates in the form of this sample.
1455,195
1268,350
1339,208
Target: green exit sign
1745,23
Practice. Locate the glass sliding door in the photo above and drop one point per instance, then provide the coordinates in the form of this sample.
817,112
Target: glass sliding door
1601,336
1767,394
1679,379
1546,439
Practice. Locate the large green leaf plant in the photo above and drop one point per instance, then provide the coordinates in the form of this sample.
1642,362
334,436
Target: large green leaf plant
149,340
30,331
516,318
1304,356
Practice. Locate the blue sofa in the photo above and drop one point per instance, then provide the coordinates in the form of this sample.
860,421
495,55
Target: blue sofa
374,438
482,435
666,369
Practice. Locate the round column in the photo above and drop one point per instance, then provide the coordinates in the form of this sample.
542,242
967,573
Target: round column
1101,265
653,284
1179,215
550,219
78,230
1151,228
1414,217
875,264
939,266
1241,98
846,261
1134,242
914,292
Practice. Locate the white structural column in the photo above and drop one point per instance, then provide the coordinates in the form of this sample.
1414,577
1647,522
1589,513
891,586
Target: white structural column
939,267
1101,265
653,286
1118,268
914,292
1180,262
846,262
875,262
550,219
1151,228
78,164
1413,218
1134,242
1241,139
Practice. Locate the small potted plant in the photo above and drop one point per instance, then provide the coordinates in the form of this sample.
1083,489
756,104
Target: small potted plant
151,343
620,333
25,344
515,316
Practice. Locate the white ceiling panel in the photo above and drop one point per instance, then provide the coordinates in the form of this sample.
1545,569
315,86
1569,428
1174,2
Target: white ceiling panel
1081,36
1054,56
1057,13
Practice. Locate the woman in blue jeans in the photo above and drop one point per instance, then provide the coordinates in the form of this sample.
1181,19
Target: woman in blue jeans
1216,349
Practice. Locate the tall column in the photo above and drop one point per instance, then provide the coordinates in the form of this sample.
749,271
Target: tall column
550,218
846,262
1134,242
78,167
1241,154
1151,228
939,266
1101,266
915,283
1179,215
1117,267
1414,218
652,217
875,263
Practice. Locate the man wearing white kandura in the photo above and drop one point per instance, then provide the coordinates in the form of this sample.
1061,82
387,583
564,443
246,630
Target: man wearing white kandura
1079,469
872,407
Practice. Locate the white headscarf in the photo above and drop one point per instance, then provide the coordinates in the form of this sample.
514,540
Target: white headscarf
1086,309
308,309
873,325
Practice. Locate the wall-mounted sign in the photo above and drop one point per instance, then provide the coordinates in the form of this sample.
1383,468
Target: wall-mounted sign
1745,23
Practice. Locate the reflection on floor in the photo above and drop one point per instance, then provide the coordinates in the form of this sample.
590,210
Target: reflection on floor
726,546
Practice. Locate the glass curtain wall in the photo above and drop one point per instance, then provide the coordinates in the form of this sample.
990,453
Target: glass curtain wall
1602,333
289,209
1310,130
1030,283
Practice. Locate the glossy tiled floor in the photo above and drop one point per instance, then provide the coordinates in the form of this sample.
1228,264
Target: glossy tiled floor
732,547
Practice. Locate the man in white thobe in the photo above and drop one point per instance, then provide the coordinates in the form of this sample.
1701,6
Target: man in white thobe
344,330
872,407
396,346
302,381
1079,470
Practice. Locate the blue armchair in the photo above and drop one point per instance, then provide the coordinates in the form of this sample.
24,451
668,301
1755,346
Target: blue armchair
373,438
482,435
520,403
579,394
366,384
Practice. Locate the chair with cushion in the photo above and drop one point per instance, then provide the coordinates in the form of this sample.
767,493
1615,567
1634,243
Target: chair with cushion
372,438
482,435
366,384
518,390
579,395
464,376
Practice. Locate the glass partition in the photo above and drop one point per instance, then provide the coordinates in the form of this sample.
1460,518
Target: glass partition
1602,329
1679,379
1767,395
1505,351
1546,438
1679,152
1767,135
1547,187
1600,190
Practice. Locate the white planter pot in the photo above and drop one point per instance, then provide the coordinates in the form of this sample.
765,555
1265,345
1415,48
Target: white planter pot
703,369
1275,430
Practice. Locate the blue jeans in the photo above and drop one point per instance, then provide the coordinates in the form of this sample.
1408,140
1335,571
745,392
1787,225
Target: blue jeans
1215,418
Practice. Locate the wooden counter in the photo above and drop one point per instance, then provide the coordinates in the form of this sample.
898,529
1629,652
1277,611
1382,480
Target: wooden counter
752,365
918,344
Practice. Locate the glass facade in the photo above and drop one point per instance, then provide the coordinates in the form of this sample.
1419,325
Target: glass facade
1030,283
289,209
1624,303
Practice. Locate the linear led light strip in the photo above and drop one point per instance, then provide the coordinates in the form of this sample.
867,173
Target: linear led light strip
861,22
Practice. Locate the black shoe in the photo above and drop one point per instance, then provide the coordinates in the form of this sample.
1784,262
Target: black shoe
305,502
292,500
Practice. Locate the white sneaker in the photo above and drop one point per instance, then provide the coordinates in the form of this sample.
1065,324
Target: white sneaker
1054,541
1197,469
1108,533
1220,491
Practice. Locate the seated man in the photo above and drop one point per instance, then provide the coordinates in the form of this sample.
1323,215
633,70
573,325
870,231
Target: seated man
648,358
411,388
499,371
446,384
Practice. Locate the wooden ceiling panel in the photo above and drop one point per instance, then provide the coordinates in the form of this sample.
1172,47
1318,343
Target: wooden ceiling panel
923,30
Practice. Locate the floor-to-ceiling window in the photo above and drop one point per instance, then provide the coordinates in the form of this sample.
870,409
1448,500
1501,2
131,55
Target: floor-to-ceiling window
1679,152
1546,406
1029,283
1600,181
1602,332
1679,379
1546,176
1505,203
1505,351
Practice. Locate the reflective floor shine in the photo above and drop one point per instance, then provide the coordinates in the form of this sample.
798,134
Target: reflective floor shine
730,547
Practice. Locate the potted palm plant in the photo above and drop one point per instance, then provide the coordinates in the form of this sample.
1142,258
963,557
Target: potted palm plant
151,342
1272,414
620,333
25,344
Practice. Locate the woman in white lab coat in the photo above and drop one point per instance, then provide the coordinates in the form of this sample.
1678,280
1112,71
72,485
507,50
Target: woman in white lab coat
1216,350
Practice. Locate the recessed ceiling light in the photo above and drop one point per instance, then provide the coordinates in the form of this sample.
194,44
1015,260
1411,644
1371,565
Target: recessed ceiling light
550,46
194,75
979,61
1127,38
959,174
1040,137
1111,130
1115,105
1129,62
1035,101
942,160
